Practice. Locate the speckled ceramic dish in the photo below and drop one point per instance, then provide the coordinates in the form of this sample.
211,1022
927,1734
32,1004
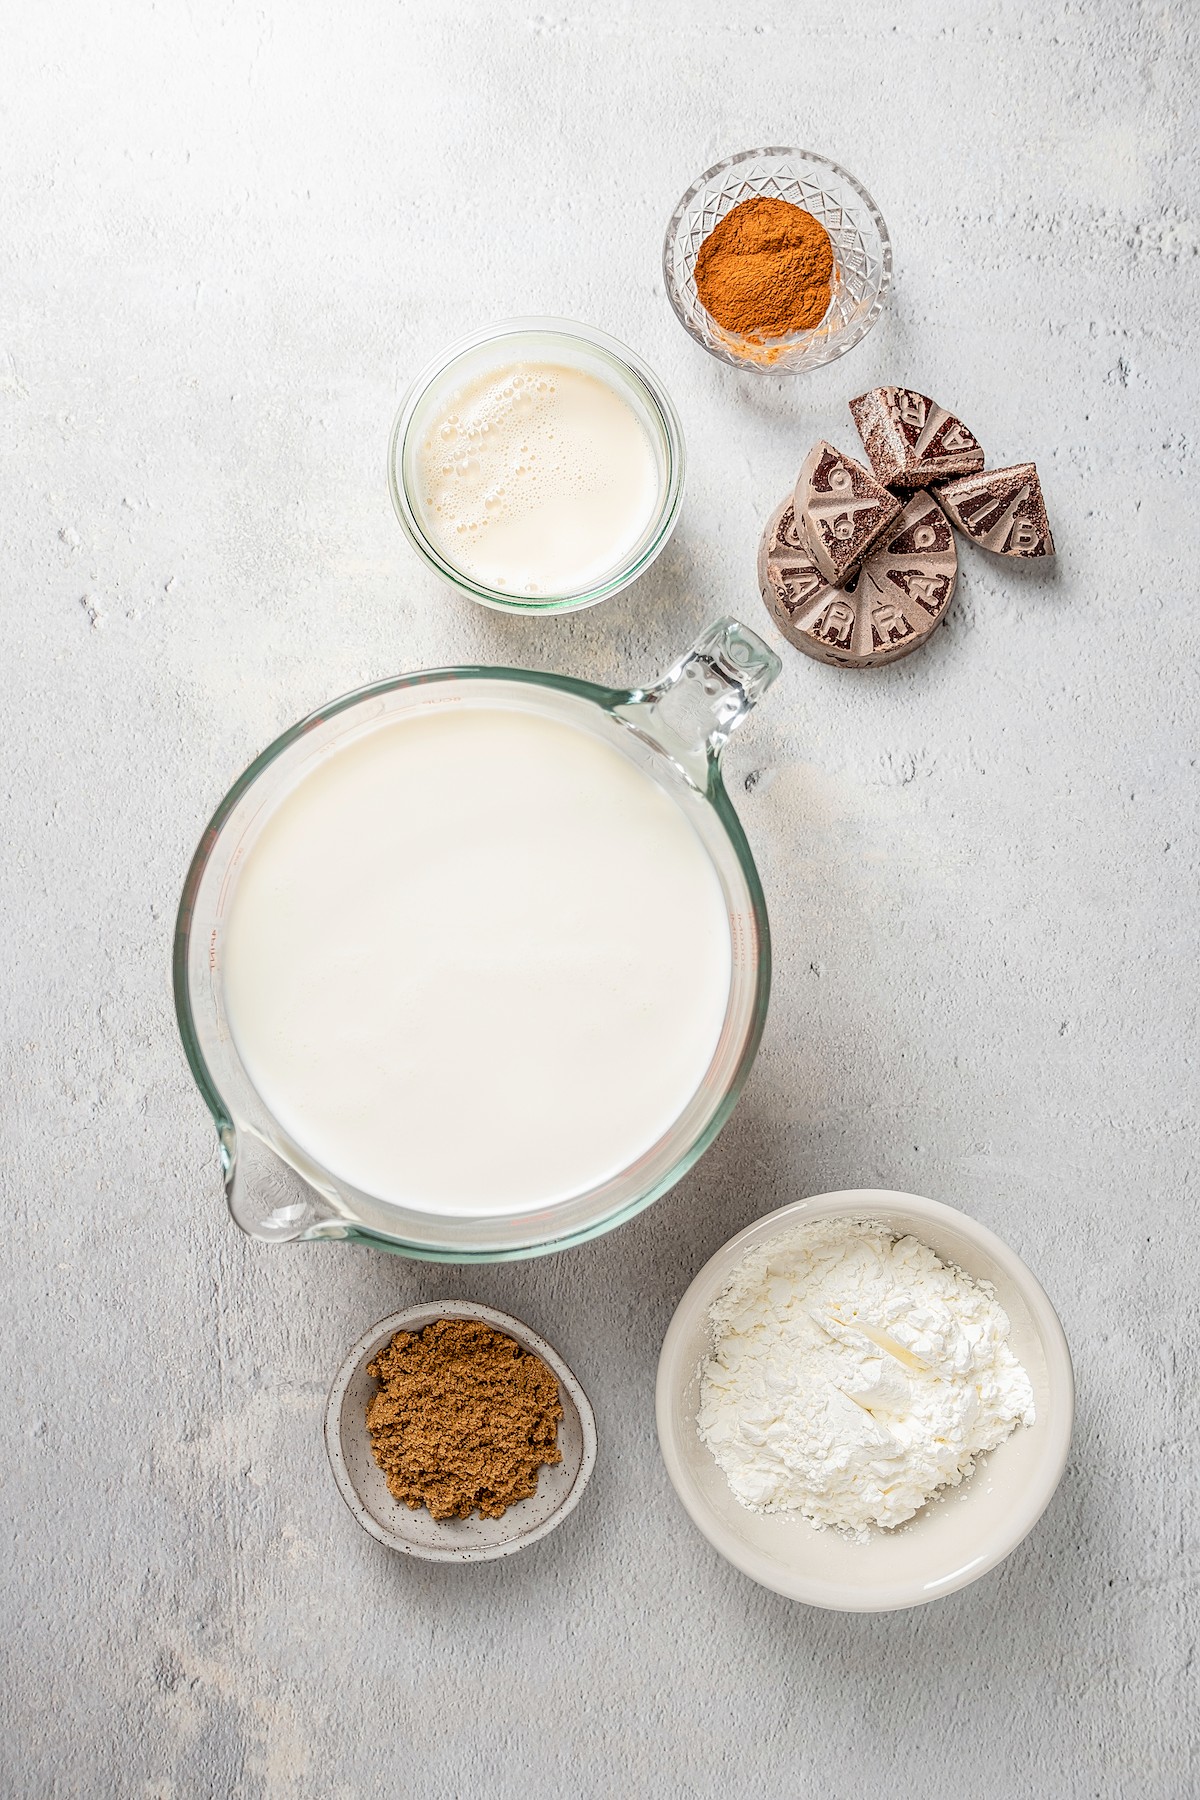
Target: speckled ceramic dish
414,1532
956,1537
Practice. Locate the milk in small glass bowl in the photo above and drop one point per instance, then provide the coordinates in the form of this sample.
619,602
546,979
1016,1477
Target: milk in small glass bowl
537,466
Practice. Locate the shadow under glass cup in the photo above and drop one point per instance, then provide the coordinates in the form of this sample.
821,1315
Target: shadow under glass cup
537,340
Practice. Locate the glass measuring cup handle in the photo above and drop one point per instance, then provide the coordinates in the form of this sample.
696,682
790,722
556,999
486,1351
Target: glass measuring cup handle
692,710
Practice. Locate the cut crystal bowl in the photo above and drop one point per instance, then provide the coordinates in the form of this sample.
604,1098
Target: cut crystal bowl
862,254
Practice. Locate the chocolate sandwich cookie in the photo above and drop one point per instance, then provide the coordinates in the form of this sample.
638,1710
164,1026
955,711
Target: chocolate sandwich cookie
910,440
887,610
1001,510
841,509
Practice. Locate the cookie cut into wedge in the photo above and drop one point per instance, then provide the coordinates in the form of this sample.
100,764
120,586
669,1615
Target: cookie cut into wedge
1001,510
910,440
843,511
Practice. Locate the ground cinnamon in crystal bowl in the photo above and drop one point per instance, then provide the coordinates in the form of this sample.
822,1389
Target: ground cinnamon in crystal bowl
766,270
464,1418
774,283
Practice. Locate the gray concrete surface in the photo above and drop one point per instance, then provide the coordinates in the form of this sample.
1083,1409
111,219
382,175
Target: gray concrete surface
228,233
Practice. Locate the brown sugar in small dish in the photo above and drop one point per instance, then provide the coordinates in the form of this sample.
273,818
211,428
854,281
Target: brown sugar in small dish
464,1418
414,1531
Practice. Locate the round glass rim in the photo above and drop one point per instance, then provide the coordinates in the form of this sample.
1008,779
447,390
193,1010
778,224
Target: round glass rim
228,1128
799,340
660,404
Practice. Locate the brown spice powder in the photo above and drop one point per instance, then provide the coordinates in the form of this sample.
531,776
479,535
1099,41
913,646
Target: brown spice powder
465,1418
766,269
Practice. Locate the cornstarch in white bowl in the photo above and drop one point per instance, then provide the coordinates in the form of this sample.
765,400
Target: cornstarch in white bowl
854,1375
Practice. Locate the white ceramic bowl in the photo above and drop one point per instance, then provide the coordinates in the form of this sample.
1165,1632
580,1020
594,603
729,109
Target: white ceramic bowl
416,1532
953,1540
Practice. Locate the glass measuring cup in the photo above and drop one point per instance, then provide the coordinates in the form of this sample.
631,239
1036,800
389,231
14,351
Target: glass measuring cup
674,731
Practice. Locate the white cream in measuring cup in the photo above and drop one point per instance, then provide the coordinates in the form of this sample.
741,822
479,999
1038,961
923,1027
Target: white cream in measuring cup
477,962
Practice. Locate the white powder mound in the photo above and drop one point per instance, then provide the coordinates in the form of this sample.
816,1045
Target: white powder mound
853,1375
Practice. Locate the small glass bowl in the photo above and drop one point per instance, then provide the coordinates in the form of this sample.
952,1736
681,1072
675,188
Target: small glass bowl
861,247
583,347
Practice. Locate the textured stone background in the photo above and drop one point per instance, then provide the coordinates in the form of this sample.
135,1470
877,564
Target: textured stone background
228,234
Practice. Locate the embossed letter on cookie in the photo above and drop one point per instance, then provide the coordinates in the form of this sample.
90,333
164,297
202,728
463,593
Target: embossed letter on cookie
842,509
911,440
788,578
1002,510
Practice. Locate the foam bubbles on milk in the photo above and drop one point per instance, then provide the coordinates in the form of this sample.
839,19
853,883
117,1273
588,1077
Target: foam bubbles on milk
537,478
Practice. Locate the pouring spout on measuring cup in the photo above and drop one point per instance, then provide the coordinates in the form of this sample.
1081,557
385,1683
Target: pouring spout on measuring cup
691,712
268,1199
